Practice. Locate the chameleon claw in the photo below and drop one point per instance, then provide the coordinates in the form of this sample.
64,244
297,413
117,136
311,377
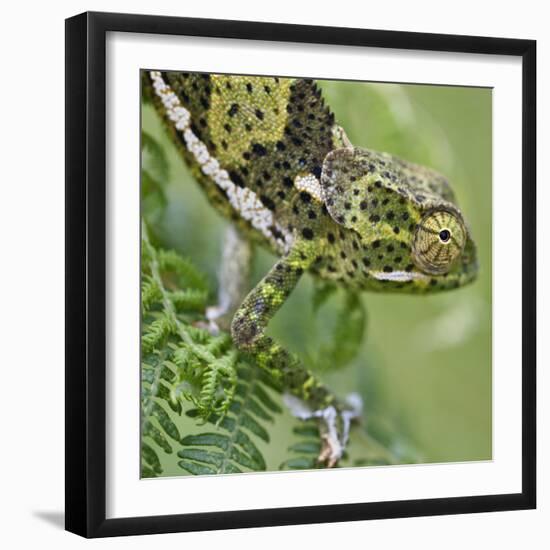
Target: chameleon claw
334,424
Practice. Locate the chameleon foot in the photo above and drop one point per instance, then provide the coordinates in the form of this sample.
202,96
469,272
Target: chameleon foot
334,424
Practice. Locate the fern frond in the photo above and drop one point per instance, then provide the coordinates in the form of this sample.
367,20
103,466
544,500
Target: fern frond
308,447
179,272
185,364
231,447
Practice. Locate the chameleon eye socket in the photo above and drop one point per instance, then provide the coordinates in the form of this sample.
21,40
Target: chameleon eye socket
439,240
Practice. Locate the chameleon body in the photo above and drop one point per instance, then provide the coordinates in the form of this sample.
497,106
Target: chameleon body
271,157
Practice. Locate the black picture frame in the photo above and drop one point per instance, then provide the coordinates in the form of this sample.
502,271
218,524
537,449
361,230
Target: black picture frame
86,274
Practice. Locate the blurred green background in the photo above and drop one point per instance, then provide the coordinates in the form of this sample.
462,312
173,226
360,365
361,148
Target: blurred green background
424,370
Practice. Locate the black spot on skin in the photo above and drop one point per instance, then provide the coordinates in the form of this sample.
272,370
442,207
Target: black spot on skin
259,114
305,196
295,210
398,259
287,182
280,146
233,110
299,271
405,216
204,103
388,269
259,149
390,248
375,244
380,256
374,218
366,261
316,171
224,144
311,215
276,233
347,206
227,128
307,233
331,238
374,202
249,87
248,127
267,89
353,219
281,195
236,178
355,245
433,282
341,220
385,201
246,155
390,215
378,184
363,205
296,141
267,202
409,268
396,230
370,188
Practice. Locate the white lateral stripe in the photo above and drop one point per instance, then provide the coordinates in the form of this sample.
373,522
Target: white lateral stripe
242,199
399,276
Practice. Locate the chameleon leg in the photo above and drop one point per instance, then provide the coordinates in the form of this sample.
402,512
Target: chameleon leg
248,331
233,279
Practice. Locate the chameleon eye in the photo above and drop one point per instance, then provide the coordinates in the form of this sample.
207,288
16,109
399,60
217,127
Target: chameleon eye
439,240
444,235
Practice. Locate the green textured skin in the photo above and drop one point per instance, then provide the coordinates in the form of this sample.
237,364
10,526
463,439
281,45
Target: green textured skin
268,131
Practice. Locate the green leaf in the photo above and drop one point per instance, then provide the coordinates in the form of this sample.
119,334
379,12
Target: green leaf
345,339
197,469
308,447
153,158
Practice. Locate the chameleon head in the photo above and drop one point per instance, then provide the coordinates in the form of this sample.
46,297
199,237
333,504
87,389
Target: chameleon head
413,235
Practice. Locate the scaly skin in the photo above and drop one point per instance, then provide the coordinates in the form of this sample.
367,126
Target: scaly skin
271,158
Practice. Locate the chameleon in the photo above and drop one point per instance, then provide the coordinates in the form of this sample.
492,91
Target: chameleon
272,159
